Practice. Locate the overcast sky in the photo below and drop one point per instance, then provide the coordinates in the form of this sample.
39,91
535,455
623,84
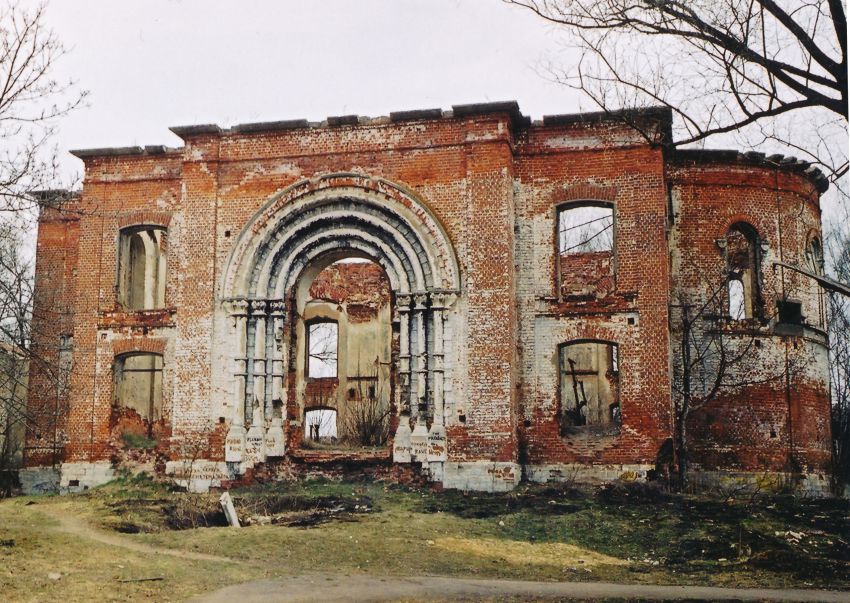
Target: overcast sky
159,63
151,64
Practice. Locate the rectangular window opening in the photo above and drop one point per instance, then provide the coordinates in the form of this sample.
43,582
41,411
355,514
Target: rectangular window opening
142,267
138,389
322,346
589,384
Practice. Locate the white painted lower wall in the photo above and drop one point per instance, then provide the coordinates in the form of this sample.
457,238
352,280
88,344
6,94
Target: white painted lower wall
482,475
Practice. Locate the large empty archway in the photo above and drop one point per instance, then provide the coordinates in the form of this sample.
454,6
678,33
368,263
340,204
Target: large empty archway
344,350
266,282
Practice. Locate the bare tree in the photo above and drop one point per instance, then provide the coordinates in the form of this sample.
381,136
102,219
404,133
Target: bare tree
366,419
838,311
13,387
31,103
719,65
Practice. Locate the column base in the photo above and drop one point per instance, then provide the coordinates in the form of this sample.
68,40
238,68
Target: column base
255,444
419,443
234,444
401,442
275,440
437,444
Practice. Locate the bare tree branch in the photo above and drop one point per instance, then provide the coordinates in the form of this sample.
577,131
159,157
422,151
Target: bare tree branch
719,65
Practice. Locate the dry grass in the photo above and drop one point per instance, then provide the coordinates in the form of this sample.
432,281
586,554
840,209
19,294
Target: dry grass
536,533
555,554
40,562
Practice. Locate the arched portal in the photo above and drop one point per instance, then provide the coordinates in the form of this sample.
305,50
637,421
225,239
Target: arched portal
294,236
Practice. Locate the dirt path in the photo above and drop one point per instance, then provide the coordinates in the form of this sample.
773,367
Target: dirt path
78,527
374,588
340,587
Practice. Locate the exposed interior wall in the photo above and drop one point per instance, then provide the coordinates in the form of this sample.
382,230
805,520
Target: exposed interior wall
356,296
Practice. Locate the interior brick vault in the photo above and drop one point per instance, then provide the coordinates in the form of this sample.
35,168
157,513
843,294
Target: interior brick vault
466,296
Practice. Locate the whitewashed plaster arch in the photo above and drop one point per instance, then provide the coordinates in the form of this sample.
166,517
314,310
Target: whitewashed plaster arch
375,207
297,232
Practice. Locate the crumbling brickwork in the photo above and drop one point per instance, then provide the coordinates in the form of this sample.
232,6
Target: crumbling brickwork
460,214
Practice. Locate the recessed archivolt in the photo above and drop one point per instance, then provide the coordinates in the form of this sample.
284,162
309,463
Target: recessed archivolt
370,217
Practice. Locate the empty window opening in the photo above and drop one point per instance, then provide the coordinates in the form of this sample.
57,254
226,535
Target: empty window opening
322,349
66,359
790,312
589,384
814,261
737,301
742,265
321,424
586,251
585,228
141,268
138,390
814,256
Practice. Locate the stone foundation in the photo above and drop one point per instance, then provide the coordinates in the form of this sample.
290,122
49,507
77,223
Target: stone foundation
67,478
750,482
39,480
482,475
201,475
586,474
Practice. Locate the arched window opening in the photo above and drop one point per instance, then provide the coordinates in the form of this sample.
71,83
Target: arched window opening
138,392
321,424
815,263
586,249
589,384
814,256
742,266
322,349
141,268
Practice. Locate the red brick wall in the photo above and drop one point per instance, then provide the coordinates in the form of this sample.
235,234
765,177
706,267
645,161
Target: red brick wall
495,187
557,165
53,317
774,414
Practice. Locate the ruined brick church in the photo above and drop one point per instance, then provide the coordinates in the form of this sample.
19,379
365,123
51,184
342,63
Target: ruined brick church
469,296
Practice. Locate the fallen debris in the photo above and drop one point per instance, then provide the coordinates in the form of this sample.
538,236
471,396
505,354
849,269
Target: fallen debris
309,517
229,510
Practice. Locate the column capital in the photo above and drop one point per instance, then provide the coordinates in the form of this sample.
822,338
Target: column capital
277,308
421,300
236,307
258,307
443,300
403,301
